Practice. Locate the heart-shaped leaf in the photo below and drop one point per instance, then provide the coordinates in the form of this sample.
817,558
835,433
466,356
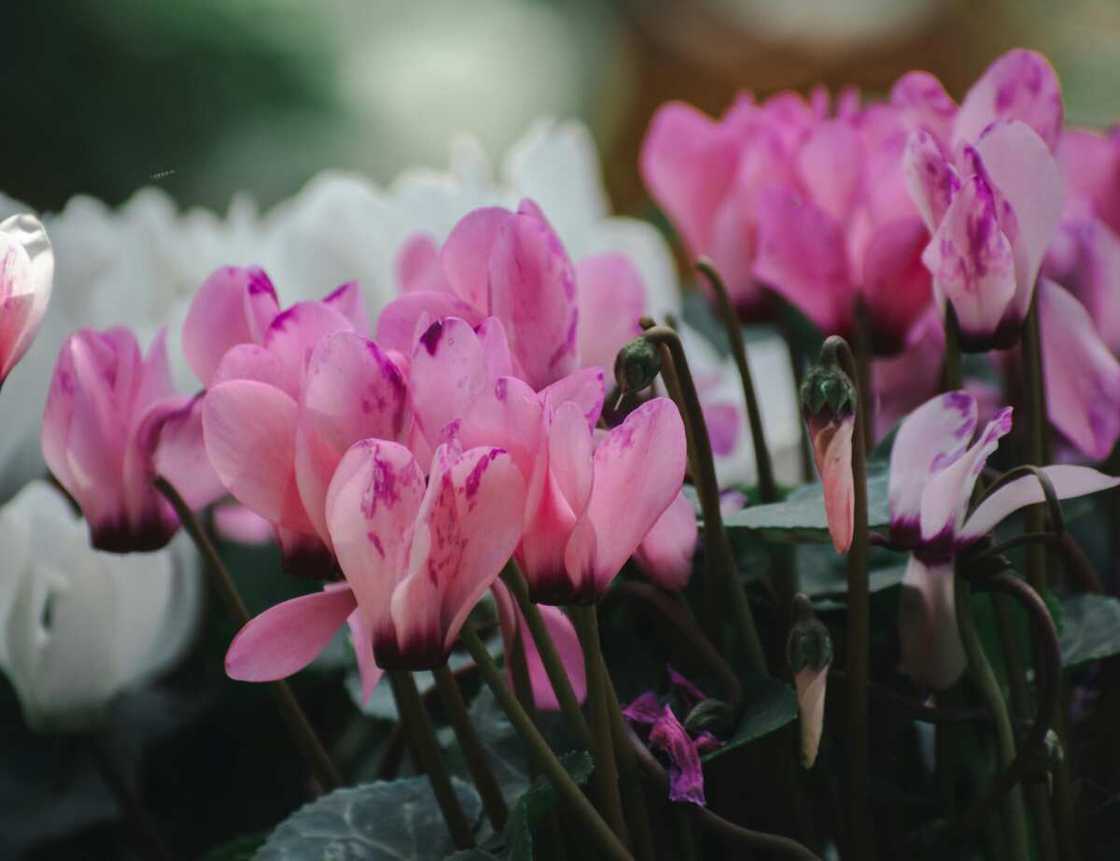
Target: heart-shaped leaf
395,820
770,705
1090,628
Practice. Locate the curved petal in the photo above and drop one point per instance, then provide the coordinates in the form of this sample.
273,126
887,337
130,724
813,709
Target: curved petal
931,180
932,652
180,452
686,775
830,162
401,323
233,306
293,334
665,554
973,264
26,277
1068,482
639,468
466,254
347,300
418,266
832,453
509,416
611,300
1020,85
946,494
253,362
811,685
924,103
371,506
586,388
352,391
286,638
249,428
468,527
1082,376
533,292
896,285
931,438
361,638
448,374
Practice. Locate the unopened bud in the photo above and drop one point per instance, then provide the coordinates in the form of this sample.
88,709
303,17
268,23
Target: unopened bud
715,716
827,394
637,365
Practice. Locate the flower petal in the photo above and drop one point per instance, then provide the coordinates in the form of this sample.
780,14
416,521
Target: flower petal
832,453
467,251
233,306
586,388
931,180
1082,376
1019,85
347,300
811,685
286,638
612,298
932,437
180,452
361,638
932,652
448,374
924,102
401,323
249,428
26,277
418,266
686,775
294,332
639,468
665,554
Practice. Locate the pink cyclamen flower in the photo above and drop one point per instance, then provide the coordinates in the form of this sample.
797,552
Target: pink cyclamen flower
991,194
810,203
578,533
417,557
26,275
495,263
100,433
933,470
516,636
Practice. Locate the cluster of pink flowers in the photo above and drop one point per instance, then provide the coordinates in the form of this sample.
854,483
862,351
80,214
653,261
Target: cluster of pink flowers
904,207
415,464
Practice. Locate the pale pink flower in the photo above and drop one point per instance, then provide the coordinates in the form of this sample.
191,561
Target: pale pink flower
26,275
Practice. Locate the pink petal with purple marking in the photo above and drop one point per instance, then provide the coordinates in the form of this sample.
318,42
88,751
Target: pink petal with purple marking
1019,85
235,305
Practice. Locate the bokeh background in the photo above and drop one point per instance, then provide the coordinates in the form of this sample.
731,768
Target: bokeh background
208,97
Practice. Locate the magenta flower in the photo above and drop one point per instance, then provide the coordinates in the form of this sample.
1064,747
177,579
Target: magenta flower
26,275
100,432
991,195
578,530
933,470
417,557
495,263
788,195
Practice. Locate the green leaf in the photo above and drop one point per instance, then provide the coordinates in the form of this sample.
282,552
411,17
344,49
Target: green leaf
1091,628
770,705
472,855
238,849
383,821
800,518
532,807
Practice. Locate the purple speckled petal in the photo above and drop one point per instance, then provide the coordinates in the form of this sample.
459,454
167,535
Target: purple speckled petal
686,775
644,711
685,687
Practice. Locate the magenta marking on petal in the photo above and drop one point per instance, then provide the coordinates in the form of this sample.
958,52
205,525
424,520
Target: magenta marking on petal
382,487
431,337
376,542
474,480
259,282
685,686
339,290
643,711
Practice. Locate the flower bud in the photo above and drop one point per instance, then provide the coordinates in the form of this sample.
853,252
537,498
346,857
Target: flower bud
637,365
828,401
809,652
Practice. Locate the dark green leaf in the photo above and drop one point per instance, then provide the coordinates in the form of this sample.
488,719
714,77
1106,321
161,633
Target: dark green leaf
238,849
535,804
384,821
770,705
472,855
1091,628
800,518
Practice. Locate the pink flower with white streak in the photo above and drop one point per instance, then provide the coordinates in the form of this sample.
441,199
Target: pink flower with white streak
26,275
933,469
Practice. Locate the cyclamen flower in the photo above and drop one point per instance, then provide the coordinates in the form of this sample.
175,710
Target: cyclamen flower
416,558
26,275
79,626
101,429
991,195
806,200
578,532
933,469
290,392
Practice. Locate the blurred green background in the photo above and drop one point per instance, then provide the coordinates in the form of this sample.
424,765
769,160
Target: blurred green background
208,97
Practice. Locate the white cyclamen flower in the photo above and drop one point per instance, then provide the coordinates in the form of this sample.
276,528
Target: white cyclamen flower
79,626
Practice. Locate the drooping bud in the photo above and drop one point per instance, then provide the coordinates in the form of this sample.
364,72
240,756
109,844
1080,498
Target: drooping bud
809,652
637,365
828,401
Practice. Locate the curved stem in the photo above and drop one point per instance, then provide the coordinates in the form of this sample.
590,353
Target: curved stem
745,839
418,726
633,796
605,776
141,824
553,665
542,754
1037,444
473,751
719,559
767,488
299,727
951,373
837,351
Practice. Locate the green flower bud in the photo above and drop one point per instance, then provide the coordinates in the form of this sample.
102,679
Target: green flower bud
637,365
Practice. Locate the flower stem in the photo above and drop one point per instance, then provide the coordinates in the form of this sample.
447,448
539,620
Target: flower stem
553,665
719,559
1014,814
542,754
299,727
837,351
141,824
425,748
767,488
1034,391
861,341
951,373
586,620
473,751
